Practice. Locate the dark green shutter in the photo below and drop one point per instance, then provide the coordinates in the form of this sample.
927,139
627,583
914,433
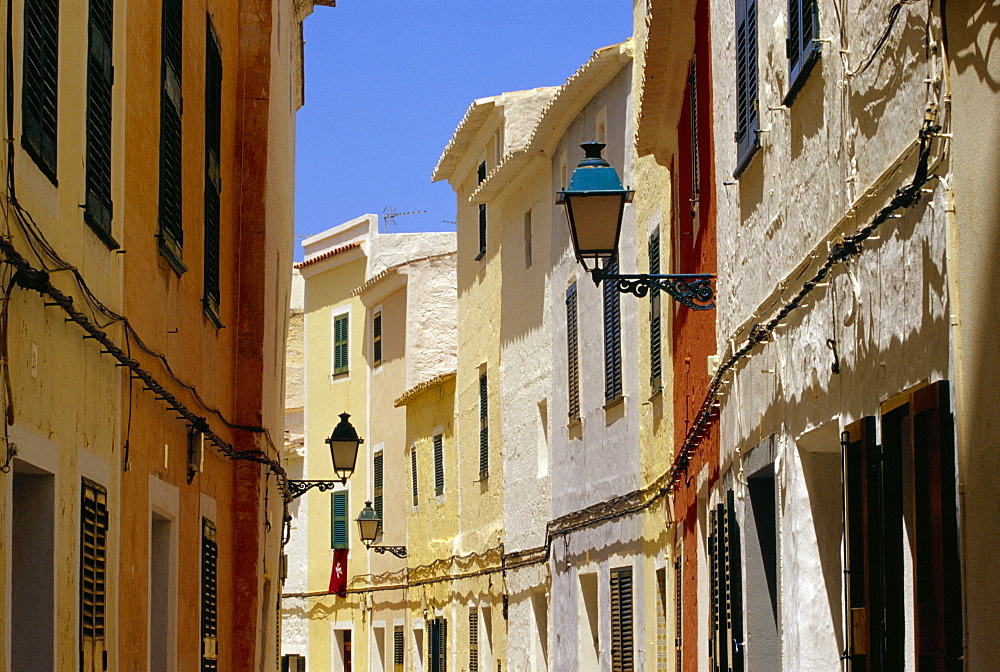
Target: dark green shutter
438,465
482,230
747,116
171,230
209,593
572,353
612,335
377,478
622,656
377,338
213,177
726,579
340,325
481,173
484,429
655,331
693,104
473,640
93,570
100,77
338,520
801,47
413,473
39,83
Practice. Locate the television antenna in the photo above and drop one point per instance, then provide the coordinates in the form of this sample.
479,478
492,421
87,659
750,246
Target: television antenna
389,216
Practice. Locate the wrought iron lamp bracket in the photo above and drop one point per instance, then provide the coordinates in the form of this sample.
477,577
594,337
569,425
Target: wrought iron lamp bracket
398,551
299,488
693,290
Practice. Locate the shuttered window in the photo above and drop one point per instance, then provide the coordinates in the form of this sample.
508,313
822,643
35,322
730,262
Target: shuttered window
695,164
482,231
802,46
473,640
338,520
572,353
747,114
397,650
39,83
612,335
726,578
438,465
213,176
621,620
171,236
678,611
209,592
100,77
377,339
484,430
655,328
292,662
93,569
413,474
662,655
481,173
340,325
527,239
437,649
377,481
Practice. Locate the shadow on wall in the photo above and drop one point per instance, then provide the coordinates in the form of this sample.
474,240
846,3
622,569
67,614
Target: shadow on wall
972,38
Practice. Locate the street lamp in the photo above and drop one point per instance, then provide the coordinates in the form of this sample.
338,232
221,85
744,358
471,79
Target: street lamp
369,526
595,204
344,443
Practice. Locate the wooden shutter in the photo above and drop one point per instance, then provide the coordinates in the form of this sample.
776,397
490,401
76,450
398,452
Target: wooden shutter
213,177
863,518
338,519
621,620
679,610
482,230
93,569
612,335
413,473
397,650
572,353
693,104
377,338
484,430
747,116
733,575
473,640
39,83
438,465
340,325
209,592
655,330
801,46
937,567
171,230
481,173
527,239
100,77
292,662
377,479
437,645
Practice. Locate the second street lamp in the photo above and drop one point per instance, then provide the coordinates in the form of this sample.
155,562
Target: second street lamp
344,443
595,204
369,527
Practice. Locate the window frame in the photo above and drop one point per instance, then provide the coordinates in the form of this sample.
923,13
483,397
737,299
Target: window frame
344,343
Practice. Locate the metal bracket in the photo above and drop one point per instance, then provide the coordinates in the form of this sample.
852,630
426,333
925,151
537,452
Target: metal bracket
299,488
693,290
398,551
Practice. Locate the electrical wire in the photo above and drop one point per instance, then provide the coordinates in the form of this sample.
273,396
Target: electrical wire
883,39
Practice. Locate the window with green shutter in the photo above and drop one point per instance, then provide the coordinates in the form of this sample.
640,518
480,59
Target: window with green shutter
622,645
612,336
377,483
726,585
93,571
213,177
572,353
655,329
438,465
482,231
484,429
437,649
413,473
802,46
340,332
377,339
209,592
338,519
171,233
747,114
397,649
100,78
39,83
473,640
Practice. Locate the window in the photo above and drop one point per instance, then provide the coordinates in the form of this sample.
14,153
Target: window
377,339
377,483
527,239
482,231
413,473
338,520
747,115
473,640
621,620
655,328
484,430
171,236
93,569
100,77
801,47
612,336
209,605
438,465
572,354
340,324
293,662
726,585
695,165
662,656
39,83
678,610
213,177
397,649
481,173
437,649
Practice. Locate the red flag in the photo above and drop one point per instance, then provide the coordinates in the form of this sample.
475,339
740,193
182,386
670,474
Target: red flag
338,576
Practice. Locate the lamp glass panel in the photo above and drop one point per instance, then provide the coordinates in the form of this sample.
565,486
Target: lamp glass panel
344,455
597,222
368,528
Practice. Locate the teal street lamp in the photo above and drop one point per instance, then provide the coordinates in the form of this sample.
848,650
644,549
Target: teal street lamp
595,205
344,443
369,527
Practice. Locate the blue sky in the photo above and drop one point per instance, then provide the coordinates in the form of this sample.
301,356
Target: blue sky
387,81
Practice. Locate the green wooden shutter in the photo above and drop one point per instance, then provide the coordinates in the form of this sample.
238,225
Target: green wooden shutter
39,83
716,650
397,650
438,465
338,520
170,206
747,116
443,646
863,525
655,330
693,104
100,78
413,474
621,620
679,610
93,570
801,47
612,335
340,333
482,230
733,576
209,593
377,338
484,430
213,177
572,353
473,640
377,479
